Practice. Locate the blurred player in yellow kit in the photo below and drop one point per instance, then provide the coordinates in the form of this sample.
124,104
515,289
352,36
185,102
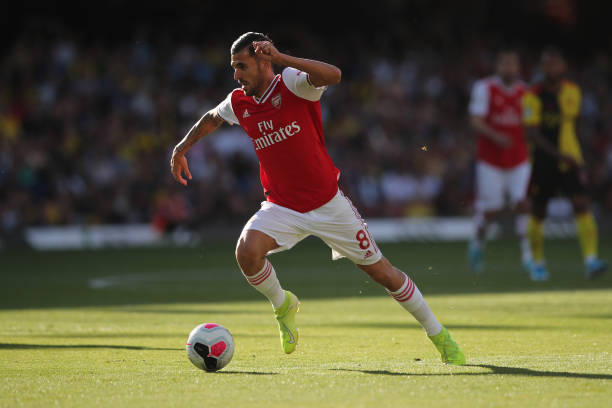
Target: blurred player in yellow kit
550,112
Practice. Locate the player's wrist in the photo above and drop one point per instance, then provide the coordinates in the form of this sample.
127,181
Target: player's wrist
284,60
180,150
496,137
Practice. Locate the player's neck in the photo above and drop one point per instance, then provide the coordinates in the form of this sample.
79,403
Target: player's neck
265,85
507,82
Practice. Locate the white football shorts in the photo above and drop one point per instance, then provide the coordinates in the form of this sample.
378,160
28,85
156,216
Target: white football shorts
494,183
337,223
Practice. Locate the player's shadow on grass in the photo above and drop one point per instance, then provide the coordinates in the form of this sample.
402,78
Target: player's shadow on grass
409,325
536,373
245,372
495,370
102,335
593,316
202,312
17,346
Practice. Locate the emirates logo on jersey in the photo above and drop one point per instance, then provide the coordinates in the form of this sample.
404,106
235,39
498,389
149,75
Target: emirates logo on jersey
498,100
507,117
276,101
273,134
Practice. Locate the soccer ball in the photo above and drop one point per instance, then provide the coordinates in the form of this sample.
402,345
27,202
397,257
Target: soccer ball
210,347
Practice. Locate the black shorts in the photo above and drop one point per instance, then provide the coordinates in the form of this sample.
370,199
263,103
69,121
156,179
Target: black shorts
548,181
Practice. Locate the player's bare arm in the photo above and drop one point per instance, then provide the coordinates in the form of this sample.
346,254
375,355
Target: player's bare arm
319,73
481,126
178,164
533,134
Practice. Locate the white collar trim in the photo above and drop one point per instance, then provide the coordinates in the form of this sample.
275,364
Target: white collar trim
268,91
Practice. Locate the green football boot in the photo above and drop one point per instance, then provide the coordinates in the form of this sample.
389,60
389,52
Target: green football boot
285,316
449,350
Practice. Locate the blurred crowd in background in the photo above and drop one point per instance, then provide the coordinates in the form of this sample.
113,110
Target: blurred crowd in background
86,130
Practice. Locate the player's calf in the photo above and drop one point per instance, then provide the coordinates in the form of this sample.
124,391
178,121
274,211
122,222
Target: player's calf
410,298
383,273
405,292
251,253
408,295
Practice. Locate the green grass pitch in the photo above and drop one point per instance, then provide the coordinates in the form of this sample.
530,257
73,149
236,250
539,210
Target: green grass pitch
108,328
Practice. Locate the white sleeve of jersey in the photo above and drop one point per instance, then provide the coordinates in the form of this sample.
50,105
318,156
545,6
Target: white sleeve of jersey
225,110
299,84
479,101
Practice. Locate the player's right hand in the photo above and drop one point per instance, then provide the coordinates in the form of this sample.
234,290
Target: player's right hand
503,141
178,166
570,161
266,50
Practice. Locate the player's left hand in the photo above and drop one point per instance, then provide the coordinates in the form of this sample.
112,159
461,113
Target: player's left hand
266,50
178,166
570,161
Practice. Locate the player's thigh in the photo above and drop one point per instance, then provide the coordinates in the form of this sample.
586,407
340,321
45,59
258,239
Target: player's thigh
340,226
489,187
574,186
517,182
254,243
573,183
284,226
543,185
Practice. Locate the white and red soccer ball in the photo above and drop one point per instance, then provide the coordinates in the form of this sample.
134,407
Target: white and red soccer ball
210,346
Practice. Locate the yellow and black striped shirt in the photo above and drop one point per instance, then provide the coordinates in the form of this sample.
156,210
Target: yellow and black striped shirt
555,114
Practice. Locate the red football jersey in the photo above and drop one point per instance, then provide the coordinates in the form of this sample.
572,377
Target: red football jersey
502,109
287,133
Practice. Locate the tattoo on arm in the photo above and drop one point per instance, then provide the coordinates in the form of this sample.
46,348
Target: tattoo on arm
207,123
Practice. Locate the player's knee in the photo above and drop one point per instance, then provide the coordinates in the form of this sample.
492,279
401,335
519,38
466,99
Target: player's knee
492,215
539,211
522,207
247,253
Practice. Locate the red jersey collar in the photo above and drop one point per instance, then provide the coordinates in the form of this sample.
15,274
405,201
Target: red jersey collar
268,91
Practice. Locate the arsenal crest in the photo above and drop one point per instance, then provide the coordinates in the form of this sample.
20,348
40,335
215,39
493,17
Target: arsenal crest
276,101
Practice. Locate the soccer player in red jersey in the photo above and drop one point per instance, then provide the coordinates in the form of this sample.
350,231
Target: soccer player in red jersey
502,167
281,113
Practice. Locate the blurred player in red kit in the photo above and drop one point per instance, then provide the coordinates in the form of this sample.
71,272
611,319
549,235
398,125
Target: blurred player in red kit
281,113
502,167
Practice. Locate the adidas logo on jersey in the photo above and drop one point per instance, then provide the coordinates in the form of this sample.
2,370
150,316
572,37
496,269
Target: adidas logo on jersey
246,114
368,254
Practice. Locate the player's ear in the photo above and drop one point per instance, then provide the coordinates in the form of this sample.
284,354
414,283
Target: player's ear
263,64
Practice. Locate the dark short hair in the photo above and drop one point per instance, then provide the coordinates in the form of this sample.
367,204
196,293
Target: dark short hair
246,40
